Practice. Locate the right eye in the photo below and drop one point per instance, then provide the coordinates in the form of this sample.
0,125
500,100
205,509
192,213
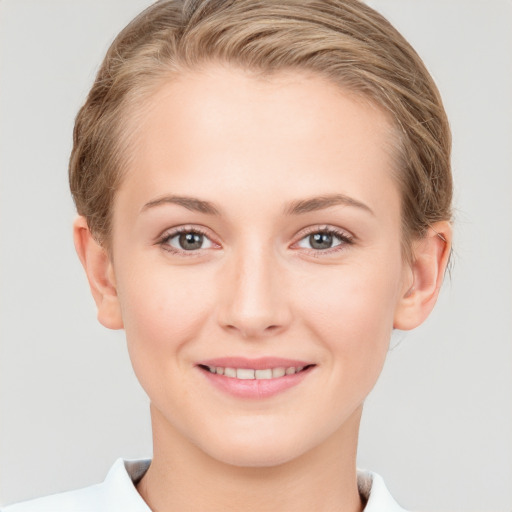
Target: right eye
185,240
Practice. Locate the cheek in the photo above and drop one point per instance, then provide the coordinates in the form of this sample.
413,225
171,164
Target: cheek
352,314
162,311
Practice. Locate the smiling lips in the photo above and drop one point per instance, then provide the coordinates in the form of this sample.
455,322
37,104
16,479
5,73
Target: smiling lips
250,373
258,378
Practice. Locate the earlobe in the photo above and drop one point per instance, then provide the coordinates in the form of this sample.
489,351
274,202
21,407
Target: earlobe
100,274
425,276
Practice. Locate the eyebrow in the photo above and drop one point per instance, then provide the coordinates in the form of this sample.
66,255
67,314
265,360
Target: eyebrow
325,201
190,203
298,207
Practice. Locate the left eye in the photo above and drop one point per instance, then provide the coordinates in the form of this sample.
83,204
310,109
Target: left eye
189,241
322,240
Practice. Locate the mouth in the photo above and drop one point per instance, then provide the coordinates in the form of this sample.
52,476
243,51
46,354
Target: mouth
255,374
257,378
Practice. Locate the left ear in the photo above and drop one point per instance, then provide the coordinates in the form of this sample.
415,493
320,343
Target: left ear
425,277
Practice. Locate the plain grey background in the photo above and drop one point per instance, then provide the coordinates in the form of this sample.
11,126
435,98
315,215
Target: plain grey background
438,426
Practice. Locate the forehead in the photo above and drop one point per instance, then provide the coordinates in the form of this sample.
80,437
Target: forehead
222,98
291,131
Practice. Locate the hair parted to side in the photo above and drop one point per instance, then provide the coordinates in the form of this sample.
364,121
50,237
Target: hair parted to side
344,41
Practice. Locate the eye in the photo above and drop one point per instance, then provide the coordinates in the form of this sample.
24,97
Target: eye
186,240
324,239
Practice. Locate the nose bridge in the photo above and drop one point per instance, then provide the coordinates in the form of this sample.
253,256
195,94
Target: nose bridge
254,304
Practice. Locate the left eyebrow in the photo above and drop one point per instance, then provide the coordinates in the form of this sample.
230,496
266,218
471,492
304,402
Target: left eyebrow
321,202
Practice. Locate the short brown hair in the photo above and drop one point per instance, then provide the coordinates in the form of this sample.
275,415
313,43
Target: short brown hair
343,40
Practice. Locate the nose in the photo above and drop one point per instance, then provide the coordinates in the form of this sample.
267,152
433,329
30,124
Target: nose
254,300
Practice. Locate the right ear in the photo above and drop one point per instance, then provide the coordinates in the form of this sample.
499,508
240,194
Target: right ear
100,274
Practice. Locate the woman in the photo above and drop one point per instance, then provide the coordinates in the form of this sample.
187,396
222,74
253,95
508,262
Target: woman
264,194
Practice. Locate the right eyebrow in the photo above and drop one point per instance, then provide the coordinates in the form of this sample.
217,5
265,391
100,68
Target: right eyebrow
190,203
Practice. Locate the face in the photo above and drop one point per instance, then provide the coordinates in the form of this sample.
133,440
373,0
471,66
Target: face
257,261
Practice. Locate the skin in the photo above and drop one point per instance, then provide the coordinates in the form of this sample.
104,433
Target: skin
257,287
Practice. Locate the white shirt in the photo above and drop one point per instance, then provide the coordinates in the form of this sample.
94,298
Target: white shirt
118,494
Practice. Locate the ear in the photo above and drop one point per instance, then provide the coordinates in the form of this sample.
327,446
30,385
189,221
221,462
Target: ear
424,277
100,274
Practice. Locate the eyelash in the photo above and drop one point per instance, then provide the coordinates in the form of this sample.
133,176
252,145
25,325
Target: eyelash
164,240
344,238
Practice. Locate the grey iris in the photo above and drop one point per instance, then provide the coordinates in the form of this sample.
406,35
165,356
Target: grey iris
320,240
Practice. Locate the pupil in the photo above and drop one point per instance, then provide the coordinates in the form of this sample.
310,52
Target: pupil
320,240
191,241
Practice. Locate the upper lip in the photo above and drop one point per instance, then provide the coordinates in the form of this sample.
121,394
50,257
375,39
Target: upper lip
260,363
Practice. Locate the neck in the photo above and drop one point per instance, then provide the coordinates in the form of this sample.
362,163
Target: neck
182,477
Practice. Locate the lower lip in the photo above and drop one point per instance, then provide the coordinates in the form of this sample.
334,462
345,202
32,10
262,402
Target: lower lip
255,388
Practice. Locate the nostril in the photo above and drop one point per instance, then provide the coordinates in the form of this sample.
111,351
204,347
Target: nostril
252,331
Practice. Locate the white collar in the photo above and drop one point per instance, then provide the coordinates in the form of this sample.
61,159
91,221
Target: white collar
373,489
118,493
125,474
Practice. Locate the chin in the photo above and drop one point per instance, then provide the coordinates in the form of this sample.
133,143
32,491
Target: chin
255,456
256,449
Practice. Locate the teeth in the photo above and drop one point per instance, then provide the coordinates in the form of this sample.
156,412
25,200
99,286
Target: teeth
249,373
278,372
243,373
263,374
229,372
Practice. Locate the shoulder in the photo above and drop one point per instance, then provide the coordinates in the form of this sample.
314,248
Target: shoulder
374,491
81,500
116,494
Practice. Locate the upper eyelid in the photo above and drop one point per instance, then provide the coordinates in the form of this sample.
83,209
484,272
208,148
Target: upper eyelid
324,229
170,232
